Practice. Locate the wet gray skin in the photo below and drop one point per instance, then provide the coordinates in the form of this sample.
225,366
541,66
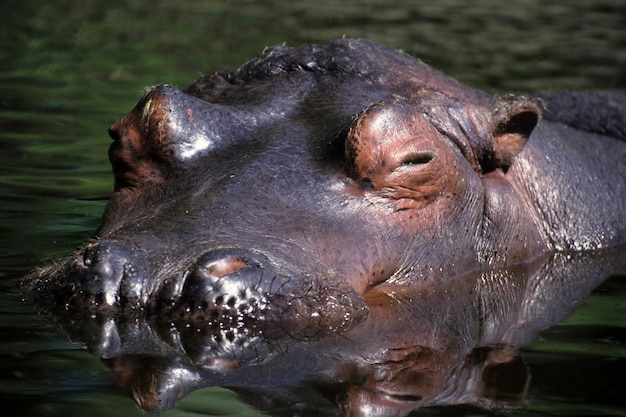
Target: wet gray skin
308,186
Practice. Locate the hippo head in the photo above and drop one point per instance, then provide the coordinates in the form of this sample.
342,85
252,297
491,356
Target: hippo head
302,190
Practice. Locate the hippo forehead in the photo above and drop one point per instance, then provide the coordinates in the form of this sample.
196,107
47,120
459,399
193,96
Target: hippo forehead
284,114
374,66
316,88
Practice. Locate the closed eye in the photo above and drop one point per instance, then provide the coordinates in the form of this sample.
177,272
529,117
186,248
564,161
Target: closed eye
420,158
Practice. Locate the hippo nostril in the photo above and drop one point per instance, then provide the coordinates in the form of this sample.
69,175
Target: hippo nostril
105,267
225,267
223,262
228,283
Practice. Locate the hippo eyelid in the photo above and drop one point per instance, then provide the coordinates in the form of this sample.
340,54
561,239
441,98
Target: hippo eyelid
418,158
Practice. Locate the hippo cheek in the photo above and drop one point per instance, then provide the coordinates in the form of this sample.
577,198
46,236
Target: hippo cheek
235,288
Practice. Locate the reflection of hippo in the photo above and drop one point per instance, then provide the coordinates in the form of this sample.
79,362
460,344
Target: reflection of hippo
314,184
458,346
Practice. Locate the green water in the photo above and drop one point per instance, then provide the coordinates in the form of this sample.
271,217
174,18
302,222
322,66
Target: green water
70,68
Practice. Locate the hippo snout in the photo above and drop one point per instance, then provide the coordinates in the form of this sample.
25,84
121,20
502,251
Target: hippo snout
230,288
105,268
234,288
111,273
223,284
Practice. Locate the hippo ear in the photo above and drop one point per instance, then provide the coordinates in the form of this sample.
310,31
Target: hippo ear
514,120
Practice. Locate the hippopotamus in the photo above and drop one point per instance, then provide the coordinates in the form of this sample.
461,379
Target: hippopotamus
313,185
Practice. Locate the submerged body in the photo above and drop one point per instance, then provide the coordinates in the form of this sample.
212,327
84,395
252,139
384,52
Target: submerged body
314,184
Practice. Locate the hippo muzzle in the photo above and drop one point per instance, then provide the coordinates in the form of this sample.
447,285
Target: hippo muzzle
237,287
230,288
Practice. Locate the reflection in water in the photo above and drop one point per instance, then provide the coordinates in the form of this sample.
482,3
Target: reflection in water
454,343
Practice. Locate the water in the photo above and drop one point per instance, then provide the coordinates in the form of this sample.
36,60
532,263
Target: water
70,68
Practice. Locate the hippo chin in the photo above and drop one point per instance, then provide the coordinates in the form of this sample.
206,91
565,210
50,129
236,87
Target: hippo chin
312,184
